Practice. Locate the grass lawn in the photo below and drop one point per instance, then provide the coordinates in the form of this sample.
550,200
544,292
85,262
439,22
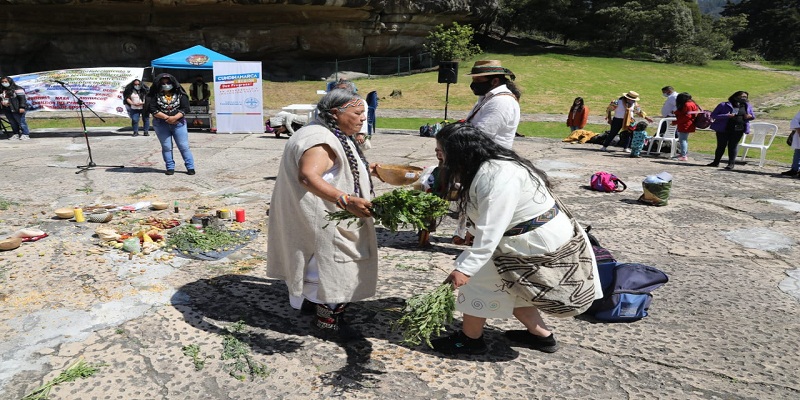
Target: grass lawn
549,83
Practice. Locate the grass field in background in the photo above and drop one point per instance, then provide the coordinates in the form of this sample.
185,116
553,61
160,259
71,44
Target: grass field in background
549,83
703,142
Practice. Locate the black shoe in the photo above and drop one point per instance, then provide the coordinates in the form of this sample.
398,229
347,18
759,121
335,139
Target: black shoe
522,336
459,343
729,167
135,134
712,164
308,308
789,173
146,133
170,172
190,172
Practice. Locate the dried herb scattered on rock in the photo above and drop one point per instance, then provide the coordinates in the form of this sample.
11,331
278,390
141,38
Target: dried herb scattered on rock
402,208
427,314
188,238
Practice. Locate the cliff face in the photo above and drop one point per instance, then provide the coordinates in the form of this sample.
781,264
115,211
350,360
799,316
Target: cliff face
38,35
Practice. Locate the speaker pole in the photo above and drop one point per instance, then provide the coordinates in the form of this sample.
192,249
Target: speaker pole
446,100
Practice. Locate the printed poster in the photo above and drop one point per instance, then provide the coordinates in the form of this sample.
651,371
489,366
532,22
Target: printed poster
238,97
98,88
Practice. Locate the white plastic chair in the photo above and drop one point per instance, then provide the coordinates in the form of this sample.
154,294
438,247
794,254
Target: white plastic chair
761,136
670,135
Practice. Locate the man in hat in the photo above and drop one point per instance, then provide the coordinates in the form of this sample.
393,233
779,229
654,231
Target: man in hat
620,114
497,111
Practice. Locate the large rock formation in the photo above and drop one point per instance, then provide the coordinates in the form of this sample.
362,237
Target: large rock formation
290,35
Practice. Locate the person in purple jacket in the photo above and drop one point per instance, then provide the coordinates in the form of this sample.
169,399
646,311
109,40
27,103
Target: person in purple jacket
731,121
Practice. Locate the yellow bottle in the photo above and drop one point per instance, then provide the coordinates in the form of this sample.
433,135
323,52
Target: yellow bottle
79,215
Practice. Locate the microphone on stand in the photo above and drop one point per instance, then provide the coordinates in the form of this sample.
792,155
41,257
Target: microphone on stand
59,82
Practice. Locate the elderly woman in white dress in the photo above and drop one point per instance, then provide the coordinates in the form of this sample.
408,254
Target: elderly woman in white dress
513,212
325,265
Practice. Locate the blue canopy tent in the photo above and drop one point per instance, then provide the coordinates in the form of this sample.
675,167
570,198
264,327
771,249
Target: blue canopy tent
192,59
197,57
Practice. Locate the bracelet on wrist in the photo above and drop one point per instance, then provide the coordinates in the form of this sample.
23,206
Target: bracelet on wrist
343,201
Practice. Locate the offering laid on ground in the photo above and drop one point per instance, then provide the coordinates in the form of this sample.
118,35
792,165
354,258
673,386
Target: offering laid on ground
401,208
210,243
427,314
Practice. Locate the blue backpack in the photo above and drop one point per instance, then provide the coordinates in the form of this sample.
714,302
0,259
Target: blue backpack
626,291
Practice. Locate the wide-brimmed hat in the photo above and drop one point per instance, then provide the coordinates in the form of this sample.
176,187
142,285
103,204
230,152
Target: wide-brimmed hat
631,95
490,67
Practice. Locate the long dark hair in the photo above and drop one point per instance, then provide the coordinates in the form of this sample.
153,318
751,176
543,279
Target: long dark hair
578,106
465,148
734,99
11,84
682,99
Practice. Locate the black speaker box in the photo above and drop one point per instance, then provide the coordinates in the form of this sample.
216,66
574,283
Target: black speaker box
448,72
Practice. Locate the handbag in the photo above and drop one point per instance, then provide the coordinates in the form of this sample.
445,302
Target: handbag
789,138
560,283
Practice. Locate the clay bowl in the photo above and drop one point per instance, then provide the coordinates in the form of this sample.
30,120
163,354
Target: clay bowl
159,205
65,213
398,175
10,243
99,217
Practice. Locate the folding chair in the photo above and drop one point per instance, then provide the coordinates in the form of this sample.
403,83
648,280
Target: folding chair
760,133
670,135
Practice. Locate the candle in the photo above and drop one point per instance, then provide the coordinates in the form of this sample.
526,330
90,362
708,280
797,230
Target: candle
79,215
239,215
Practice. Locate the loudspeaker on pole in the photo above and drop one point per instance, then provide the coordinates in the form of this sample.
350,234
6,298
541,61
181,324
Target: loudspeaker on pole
448,72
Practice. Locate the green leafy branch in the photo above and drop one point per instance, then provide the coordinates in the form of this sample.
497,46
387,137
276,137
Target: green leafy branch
427,314
401,208
79,369
238,351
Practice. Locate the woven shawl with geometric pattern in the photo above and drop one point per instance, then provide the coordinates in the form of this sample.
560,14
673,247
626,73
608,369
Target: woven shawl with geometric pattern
560,283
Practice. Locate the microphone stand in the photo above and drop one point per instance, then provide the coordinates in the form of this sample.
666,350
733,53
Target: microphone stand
81,105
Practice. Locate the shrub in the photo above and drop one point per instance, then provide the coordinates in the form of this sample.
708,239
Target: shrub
691,55
451,44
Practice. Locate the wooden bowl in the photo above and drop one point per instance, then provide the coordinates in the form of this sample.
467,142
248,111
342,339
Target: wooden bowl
10,243
398,175
159,205
65,213
100,217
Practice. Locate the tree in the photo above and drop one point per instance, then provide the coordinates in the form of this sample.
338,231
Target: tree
773,29
451,44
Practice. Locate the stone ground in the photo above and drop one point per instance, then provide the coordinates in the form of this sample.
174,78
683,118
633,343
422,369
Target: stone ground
724,327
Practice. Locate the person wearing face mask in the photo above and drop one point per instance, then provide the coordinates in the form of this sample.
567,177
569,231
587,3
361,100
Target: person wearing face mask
670,97
133,96
13,104
731,122
199,92
497,111
619,114
169,104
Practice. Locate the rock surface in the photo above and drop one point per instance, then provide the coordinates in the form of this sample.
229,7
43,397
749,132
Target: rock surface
54,34
724,327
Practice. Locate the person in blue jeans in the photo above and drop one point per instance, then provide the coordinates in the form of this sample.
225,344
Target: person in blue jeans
794,138
169,104
14,105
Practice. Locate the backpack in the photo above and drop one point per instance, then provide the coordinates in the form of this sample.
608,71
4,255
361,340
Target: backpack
703,119
426,130
626,291
606,182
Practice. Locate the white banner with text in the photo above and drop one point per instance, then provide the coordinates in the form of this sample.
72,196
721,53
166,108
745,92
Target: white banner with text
238,97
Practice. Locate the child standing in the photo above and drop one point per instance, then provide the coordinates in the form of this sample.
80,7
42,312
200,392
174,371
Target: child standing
639,136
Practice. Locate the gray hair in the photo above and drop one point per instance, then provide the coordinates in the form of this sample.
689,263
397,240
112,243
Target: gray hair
349,85
336,98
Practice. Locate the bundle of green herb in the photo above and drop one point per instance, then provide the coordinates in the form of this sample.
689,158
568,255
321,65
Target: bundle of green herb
80,369
427,314
401,208
188,238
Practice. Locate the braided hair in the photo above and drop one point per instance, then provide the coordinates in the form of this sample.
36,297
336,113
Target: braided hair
339,99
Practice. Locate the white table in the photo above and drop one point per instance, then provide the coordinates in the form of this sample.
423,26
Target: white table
300,109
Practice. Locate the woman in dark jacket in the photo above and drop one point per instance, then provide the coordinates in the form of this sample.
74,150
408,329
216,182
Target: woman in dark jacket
169,104
731,122
14,104
134,96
